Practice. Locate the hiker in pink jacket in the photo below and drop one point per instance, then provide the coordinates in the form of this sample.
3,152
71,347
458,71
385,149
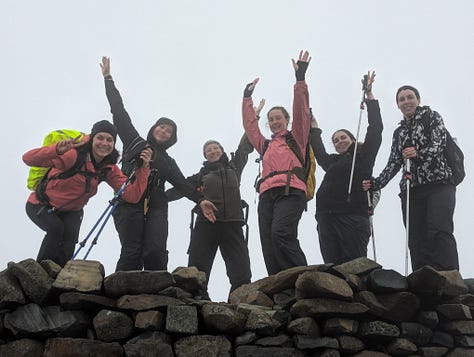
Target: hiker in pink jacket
282,193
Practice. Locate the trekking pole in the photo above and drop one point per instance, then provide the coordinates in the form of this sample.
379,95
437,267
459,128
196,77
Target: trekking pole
371,222
407,213
107,213
362,107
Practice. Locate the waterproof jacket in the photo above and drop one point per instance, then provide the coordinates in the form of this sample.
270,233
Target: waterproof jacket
332,195
427,133
70,194
163,166
278,156
219,182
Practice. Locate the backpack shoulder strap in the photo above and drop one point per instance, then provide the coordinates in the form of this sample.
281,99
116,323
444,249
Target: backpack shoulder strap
293,145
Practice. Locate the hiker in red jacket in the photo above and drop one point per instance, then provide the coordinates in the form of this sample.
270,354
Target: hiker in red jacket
59,209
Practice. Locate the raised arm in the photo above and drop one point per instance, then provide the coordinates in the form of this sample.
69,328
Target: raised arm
121,119
322,157
241,155
373,137
301,113
250,118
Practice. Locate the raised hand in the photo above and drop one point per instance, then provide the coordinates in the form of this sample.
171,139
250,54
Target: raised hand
105,65
260,107
250,87
301,65
367,82
65,145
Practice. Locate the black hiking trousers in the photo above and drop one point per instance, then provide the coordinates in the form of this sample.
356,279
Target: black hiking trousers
278,218
62,232
143,237
342,237
229,238
430,236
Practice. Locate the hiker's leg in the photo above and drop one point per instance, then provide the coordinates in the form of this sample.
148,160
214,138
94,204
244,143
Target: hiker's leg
265,217
286,216
354,232
440,205
203,247
54,228
72,224
129,222
155,254
329,239
235,253
418,238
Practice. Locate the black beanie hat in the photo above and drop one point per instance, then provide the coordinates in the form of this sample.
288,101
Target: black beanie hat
104,126
209,142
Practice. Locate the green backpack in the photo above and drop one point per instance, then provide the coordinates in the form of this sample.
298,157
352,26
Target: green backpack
37,173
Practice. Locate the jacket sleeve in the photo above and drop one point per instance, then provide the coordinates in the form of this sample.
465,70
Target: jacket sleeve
174,194
135,190
250,122
301,115
395,162
322,157
47,156
121,119
436,132
373,137
241,155
177,179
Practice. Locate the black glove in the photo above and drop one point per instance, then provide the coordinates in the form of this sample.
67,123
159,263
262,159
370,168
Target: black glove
301,71
248,92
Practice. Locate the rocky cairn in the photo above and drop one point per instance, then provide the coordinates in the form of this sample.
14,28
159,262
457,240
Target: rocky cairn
353,309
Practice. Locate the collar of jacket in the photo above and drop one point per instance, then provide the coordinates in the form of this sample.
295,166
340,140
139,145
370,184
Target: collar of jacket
223,160
419,112
280,133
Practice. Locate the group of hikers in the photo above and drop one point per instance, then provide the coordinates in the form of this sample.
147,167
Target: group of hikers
343,198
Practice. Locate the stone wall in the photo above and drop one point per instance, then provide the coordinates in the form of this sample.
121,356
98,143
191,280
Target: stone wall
354,309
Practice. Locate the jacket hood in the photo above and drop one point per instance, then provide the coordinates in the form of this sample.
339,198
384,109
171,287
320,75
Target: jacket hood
172,140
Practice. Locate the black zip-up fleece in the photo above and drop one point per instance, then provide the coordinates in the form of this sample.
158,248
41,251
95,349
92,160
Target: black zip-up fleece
426,132
163,167
332,195
219,182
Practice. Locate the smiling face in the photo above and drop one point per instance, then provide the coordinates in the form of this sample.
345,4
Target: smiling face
162,133
213,152
407,102
342,141
277,120
102,145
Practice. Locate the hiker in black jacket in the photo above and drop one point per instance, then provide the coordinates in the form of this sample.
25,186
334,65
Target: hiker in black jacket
219,181
143,227
421,139
343,222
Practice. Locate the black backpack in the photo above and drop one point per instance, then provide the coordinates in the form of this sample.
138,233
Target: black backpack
455,159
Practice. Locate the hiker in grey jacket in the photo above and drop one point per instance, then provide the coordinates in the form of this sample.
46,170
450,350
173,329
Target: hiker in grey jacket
421,138
219,182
